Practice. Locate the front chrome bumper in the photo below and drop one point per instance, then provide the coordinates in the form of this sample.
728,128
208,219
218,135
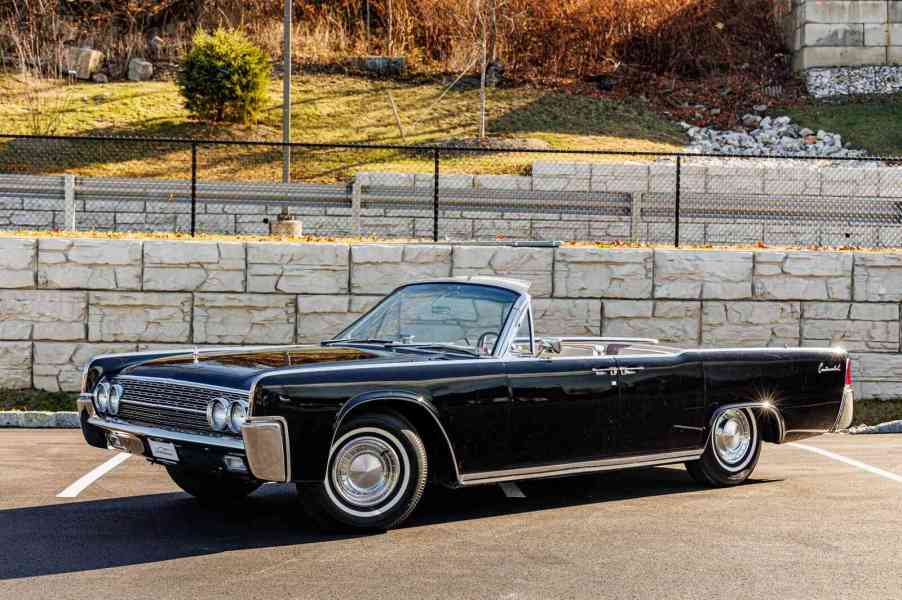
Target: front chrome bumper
264,440
846,410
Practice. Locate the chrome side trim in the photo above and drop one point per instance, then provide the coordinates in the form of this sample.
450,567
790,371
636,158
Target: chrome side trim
182,382
605,464
168,434
402,399
268,448
766,406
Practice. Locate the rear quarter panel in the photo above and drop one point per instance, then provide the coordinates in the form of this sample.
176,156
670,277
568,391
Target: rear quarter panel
804,385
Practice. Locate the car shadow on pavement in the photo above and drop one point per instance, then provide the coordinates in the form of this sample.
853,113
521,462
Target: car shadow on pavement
75,536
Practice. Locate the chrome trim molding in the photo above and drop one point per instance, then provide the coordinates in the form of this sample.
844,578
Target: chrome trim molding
268,448
846,410
181,382
441,427
770,408
168,434
85,403
605,464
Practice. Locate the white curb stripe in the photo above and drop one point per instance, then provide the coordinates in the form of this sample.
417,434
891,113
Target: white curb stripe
849,461
79,486
511,490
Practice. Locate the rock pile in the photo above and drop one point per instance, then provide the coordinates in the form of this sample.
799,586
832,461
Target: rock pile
768,136
854,81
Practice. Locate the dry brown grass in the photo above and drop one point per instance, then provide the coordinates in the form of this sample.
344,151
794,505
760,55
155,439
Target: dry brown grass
550,39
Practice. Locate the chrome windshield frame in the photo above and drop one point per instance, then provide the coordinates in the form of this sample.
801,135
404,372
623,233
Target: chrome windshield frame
508,331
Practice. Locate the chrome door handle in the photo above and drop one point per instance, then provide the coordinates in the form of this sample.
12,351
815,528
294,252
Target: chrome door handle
625,371
608,371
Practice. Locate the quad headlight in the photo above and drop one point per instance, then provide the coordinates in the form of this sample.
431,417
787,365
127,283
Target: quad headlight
237,416
102,397
218,414
115,396
223,415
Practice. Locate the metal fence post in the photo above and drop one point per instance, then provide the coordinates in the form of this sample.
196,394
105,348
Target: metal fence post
193,187
676,211
69,201
356,203
435,197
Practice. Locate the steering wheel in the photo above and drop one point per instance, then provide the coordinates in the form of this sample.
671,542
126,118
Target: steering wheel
481,342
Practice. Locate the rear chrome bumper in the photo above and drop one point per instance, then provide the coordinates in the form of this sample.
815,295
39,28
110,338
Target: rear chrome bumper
846,410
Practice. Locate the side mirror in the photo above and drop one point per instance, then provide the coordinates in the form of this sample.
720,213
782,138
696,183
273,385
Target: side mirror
548,344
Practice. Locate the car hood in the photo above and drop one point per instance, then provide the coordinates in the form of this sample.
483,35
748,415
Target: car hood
237,368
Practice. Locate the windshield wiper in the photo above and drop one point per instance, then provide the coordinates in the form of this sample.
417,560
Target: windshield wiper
428,346
354,341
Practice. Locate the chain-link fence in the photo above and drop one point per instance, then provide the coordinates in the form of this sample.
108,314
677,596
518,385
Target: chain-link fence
441,193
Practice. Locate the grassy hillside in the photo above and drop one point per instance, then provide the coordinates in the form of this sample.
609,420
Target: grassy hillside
875,125
327,109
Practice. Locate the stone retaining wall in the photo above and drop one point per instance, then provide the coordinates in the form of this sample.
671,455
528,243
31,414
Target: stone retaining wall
64,300
831,33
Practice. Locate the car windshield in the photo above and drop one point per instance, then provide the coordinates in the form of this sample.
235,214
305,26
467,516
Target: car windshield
469,317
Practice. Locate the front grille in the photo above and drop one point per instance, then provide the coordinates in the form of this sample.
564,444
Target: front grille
168,404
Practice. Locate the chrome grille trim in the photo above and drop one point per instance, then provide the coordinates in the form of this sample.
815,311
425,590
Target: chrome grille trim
170,403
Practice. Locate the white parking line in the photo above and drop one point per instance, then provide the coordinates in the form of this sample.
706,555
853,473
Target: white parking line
79,486
849,461
511,490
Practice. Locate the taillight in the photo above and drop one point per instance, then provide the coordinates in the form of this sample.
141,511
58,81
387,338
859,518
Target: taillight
848,371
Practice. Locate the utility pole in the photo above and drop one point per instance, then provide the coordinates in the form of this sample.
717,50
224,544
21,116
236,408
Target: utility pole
286,95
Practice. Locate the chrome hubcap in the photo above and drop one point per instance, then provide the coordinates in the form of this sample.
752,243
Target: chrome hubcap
365,471
732,436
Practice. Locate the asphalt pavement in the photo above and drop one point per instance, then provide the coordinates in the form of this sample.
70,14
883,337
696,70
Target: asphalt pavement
807,525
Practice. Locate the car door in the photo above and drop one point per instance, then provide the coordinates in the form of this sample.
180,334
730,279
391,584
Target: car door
563,409
662,402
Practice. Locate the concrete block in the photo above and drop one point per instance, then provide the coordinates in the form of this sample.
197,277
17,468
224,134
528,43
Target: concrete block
297,268
15,365
139,317
323,317
803,275
90,264
193,266
808,58
672,322
868,327
380,268
555,316
58,365
244,318
533,265
844,11
703,274
835,35
18,257
42,315
750,324
602,273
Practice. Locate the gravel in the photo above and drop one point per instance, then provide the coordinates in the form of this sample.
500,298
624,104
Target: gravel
39,419
853,81
769,136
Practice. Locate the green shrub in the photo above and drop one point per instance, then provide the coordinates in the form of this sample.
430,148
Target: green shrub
224,77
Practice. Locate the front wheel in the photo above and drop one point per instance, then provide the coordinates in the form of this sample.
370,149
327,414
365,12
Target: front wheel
210,489
375,477
732,450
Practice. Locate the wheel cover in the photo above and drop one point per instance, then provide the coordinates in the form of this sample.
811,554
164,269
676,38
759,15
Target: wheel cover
365,471
733,437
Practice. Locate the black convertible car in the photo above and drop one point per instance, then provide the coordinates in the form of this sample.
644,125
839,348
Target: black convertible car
446,381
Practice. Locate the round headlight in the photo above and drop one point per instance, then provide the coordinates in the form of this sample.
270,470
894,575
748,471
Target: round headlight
115,396
218,414
237,416
102,397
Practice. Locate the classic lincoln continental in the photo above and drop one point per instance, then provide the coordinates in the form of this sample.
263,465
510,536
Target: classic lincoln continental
446,381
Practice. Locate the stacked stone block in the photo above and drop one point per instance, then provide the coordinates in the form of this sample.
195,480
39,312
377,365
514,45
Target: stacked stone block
832,33
64,300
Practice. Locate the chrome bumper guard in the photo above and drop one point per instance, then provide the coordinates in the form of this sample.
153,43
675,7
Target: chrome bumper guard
846,410
267,447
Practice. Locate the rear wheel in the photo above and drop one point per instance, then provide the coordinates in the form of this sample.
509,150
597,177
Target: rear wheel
732,450
210,489
375,477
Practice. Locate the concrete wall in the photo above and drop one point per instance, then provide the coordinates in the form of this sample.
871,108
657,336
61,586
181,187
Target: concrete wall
64,300
831,33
